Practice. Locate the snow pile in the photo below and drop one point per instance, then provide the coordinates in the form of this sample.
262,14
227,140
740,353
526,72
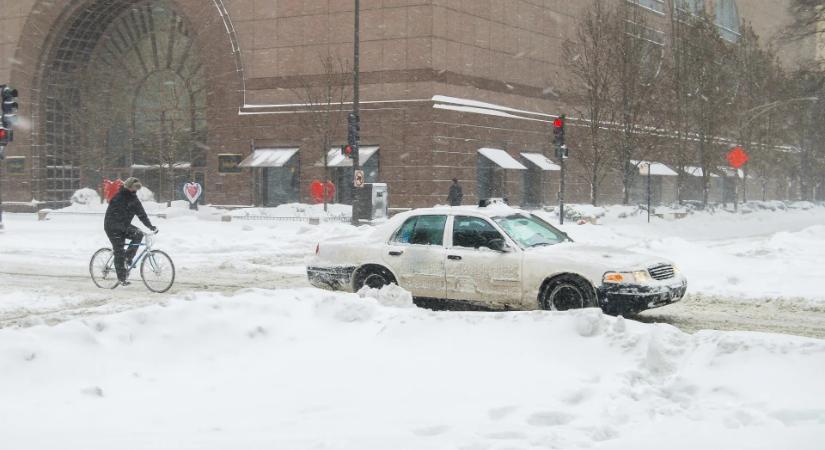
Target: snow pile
85,196
389,295
297,210
306,369
583,212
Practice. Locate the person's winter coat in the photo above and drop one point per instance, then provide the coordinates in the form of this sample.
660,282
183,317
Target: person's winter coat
123,207
455,196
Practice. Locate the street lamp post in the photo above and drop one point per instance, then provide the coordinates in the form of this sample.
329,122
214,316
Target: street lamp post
356,162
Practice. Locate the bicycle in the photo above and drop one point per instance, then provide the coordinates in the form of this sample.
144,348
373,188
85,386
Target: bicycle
156,267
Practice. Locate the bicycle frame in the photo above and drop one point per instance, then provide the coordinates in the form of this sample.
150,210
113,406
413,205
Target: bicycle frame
150,240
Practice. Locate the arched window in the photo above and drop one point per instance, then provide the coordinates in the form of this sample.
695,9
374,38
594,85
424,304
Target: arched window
727,19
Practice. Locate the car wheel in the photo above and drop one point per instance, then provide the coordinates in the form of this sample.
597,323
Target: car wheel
568,292
374,278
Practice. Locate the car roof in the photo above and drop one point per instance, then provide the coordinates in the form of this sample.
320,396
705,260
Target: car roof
494,210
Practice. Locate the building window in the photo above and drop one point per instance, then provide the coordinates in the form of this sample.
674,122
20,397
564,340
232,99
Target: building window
692,7
229,163
657,6
651,49
16,165
727,19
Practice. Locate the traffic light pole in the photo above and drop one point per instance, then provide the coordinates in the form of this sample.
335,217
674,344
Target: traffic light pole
356,107
561,188
356,69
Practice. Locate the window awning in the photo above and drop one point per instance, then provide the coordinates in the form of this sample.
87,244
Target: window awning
541,161
336,159
656,168
501,158
269,157
729,171
697,172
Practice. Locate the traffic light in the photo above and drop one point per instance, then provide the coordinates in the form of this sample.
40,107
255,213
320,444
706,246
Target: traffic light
558,137
8,113
558,131
347,151
353,127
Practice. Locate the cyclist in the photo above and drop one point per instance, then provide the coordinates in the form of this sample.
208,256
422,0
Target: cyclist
123,207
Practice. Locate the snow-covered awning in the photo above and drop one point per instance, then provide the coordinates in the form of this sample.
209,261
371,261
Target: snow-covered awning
697,172
729,171
656,168
336,159
541,161
269,157
501,158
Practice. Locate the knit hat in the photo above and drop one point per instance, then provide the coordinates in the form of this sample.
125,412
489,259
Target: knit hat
132,183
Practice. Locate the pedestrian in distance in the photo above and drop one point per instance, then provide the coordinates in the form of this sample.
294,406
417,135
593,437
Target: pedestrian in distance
117,224
456,195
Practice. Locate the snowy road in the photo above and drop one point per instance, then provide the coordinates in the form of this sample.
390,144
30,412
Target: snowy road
79,298
758,272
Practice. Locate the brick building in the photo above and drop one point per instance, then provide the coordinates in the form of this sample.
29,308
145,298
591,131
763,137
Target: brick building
211,90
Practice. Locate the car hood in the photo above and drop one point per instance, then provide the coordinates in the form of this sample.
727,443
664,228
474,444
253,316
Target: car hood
598,256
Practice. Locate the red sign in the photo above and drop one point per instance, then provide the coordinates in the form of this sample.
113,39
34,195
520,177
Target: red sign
318,189
737,157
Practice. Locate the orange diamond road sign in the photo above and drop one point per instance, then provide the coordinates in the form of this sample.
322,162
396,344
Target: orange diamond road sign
737,157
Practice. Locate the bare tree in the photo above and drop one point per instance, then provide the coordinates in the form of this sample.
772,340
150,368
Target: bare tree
711,88
637,64
167,134
324,97
588,63
760,86
808,17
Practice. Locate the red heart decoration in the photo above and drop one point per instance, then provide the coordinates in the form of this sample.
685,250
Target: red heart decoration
192,191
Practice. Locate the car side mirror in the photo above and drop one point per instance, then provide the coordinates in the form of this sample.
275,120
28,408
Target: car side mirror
497,244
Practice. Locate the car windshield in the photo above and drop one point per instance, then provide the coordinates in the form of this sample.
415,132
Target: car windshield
530,231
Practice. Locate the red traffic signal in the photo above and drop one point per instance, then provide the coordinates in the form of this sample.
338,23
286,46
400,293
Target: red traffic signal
2,133
558,131
347,150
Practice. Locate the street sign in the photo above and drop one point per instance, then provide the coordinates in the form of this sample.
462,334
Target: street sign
737,157
358,179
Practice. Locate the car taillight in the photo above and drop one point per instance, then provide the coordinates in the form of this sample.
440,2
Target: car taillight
317,248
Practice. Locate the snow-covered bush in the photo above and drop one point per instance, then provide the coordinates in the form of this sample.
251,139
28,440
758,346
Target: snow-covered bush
803,205
85,196
583,211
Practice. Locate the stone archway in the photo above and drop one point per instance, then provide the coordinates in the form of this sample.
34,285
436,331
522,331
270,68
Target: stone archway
123,91
115,87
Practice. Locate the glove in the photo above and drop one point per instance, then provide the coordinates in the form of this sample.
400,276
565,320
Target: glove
154,229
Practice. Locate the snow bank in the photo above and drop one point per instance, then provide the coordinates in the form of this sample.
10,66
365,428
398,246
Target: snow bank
85,196
303,369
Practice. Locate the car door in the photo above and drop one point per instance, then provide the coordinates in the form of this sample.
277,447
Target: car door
478,274
416,254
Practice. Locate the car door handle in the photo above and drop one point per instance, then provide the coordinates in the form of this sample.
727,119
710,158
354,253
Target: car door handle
454,257
396,252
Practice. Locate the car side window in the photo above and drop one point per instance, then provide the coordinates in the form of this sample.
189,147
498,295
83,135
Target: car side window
473,232
422,230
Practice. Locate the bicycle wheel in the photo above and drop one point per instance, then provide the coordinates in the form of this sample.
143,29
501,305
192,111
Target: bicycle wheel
157,271
102,269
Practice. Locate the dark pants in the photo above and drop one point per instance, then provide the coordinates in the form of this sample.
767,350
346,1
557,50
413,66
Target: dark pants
118,239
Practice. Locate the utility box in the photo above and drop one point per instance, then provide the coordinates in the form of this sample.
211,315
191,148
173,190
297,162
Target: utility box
372,202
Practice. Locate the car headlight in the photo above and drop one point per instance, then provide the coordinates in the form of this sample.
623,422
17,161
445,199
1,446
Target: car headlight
637,277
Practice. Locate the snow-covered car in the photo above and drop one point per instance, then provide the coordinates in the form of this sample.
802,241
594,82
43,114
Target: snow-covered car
494,257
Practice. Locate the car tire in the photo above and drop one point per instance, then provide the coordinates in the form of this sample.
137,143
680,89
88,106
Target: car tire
568,292
373,277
